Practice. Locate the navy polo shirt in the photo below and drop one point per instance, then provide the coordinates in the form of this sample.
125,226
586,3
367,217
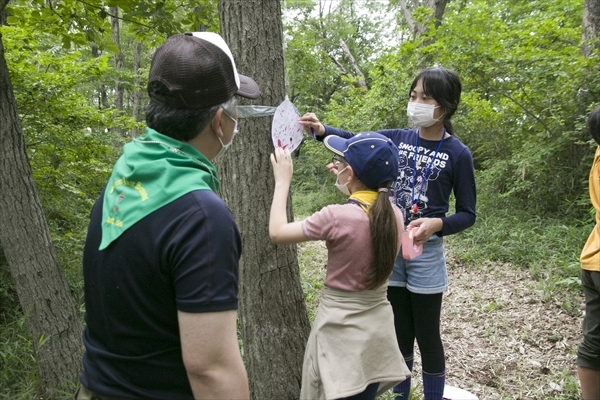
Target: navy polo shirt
183,256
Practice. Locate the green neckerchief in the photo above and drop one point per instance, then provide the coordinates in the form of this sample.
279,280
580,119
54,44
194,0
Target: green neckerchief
152,172
364,198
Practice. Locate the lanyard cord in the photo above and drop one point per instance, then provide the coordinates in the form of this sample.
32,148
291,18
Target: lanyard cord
414,202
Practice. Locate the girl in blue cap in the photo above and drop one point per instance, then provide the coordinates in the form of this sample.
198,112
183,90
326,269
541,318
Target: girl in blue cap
433,164
351,352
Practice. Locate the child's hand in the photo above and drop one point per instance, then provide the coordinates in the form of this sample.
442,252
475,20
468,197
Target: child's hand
283,167
332,168
425,228
311,122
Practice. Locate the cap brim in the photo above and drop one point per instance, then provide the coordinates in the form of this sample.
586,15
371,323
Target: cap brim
335,144
248,88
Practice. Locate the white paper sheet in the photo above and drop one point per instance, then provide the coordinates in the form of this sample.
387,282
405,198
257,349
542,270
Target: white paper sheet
286,131
454,393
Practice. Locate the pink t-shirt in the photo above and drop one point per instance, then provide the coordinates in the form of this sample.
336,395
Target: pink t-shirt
345,229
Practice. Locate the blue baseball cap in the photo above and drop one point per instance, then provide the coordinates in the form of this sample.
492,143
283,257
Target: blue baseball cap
372,156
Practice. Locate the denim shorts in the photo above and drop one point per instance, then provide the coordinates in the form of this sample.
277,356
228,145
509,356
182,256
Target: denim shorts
588,353
425,274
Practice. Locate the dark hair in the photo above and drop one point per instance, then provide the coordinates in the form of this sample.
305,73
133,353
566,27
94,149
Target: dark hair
178,123
444,86
384,239
593,124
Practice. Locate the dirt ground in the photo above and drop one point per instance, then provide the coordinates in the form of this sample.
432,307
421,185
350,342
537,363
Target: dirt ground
505,335
503,340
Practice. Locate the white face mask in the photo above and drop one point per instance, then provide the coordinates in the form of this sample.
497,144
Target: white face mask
226,146
420,114
342,188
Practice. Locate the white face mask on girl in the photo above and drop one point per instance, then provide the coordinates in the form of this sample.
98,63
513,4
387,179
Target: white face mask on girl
420,114
342,188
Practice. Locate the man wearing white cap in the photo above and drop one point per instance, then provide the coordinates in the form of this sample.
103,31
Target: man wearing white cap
161,257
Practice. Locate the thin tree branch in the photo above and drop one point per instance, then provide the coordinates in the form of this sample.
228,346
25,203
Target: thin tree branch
503,92
527,111
336,84
362,83
339,65
116,16
408,16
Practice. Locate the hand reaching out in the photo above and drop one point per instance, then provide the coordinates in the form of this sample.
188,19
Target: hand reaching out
283,167
310,120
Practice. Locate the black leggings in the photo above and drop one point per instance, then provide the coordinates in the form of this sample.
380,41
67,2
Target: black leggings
418,316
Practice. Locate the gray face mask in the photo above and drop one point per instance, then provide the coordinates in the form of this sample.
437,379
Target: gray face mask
420,114
342,188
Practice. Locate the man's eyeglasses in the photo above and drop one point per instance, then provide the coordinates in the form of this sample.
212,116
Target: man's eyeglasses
336,159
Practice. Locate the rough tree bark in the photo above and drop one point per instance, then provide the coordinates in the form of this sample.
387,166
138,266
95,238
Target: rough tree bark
51,316
590,27
273,314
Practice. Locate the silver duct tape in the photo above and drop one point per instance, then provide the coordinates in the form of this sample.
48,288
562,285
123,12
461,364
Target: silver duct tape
255,111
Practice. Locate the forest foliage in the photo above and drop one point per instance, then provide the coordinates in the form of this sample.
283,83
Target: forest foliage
527,91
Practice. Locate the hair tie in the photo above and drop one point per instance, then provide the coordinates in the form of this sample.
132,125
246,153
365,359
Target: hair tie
382,190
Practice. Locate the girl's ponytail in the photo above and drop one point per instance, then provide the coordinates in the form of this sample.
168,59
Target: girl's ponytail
384,238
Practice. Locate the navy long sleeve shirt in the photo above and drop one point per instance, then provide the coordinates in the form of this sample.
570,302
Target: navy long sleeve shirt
428,174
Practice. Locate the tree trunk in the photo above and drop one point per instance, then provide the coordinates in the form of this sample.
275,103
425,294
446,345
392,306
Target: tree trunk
590,27
116,38
273,315
51,316
137,94
103,97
